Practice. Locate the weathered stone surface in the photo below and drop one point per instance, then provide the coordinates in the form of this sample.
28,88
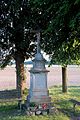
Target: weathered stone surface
38,99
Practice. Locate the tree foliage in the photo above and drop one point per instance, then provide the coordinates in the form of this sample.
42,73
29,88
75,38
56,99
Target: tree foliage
61,34
15,24
17,40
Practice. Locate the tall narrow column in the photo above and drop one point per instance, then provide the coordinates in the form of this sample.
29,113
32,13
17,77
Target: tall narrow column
38,42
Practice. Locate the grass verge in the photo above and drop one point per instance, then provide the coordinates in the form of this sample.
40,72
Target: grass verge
65,111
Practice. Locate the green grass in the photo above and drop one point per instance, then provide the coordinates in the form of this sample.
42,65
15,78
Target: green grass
9,111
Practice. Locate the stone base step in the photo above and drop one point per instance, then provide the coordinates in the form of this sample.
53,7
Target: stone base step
42,99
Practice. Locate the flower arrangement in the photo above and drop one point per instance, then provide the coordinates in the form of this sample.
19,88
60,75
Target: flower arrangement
44,106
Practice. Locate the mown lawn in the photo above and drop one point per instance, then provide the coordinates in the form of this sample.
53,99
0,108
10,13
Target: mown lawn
65,111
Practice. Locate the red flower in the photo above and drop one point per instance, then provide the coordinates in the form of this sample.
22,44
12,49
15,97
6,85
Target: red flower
44,106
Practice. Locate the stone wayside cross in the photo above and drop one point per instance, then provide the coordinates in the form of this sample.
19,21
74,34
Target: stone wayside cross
38,92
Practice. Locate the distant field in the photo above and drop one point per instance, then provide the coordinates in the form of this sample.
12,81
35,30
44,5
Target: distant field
8,76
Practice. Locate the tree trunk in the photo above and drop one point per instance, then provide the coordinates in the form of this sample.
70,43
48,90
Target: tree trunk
64,79
20,74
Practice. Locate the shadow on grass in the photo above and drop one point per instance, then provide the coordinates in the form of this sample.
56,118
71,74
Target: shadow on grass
10,111
66,107
9,94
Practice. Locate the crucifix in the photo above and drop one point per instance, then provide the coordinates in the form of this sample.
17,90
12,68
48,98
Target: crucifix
38,42
38,92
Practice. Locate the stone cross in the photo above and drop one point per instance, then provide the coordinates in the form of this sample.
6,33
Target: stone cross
38,92
38,42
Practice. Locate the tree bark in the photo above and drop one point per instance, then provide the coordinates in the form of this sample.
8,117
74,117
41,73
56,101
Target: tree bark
20,75
64,79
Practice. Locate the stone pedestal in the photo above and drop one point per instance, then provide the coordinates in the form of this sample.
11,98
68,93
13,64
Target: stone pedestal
38,91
